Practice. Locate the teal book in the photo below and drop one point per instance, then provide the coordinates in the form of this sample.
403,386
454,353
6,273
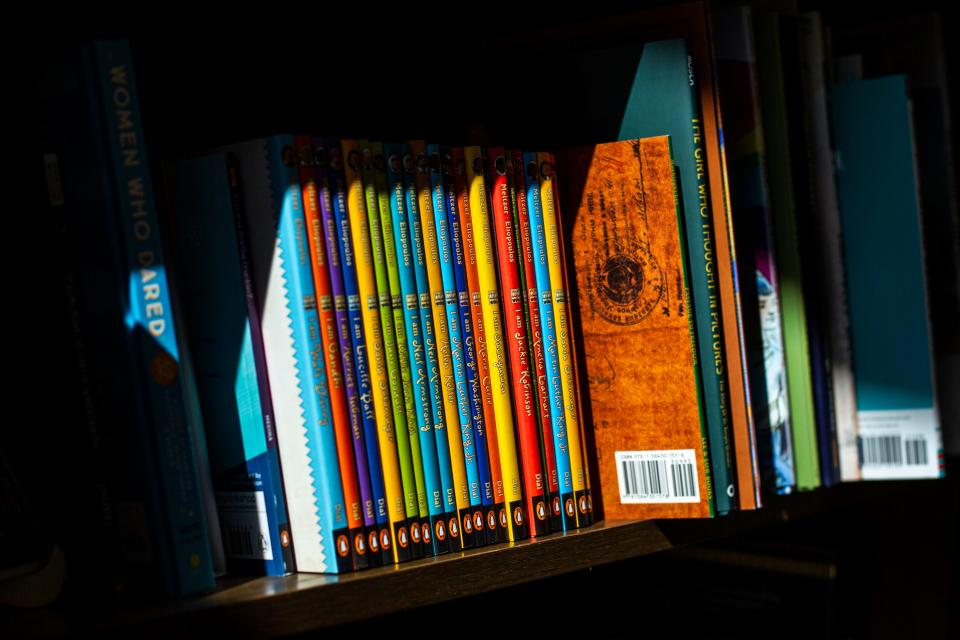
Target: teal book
890,331
663,100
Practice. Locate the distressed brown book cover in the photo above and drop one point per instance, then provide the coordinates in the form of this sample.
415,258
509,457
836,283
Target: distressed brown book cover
631,291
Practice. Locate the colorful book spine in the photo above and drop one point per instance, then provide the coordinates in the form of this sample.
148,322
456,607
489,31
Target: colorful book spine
396,155
399,326
531,309
356,231
512,517
468,498
346,295
515,326
232,382
292,339
458,208
554,387
417,191
357,542
166,425
398,402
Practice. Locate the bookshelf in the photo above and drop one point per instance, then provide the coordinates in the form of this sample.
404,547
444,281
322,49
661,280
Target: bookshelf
225,86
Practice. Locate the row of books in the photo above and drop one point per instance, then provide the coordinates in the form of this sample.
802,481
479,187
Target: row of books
362,353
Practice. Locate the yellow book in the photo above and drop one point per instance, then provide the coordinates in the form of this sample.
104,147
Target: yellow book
359,233
568,382
483,242
451,411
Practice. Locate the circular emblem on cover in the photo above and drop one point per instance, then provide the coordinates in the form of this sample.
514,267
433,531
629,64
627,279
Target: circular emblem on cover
468,523
385,540
343,546
163,369
441,530
284,538
627,285
503,517
492,520
402,539
426,533
518,516
373,542
360,544
570,509
478,520
454,527
415,533
583,504
541,511
556,506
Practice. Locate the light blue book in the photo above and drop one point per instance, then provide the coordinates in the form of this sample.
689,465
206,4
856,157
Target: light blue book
879,208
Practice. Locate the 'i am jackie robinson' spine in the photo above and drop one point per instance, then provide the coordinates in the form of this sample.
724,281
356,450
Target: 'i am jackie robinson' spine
396,154
357,542
378,201
337,228
356,230
468,496
528,288
478,375
524,396
512,517
562,506
568,384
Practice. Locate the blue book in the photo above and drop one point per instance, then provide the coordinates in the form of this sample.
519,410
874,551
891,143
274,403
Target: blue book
137,388
227,347
900,433
443,195
416,343
292,341
551,359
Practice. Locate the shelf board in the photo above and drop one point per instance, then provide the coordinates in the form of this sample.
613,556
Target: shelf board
304,602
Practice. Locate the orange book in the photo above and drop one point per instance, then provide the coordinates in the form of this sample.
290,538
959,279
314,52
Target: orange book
631,287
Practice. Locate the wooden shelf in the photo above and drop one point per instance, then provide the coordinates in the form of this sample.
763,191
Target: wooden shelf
304,602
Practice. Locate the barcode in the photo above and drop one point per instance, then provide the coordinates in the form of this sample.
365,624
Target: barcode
657,476
243,519
893,451
240,540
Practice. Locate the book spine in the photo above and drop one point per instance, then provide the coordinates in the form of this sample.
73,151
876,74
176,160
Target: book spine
151,320
355,231
515,326
396,155
331,340
367,479
339,234
468,498
375,197
531,311
417,191
585,499
458,209
399,326
568,385
511,516
563,502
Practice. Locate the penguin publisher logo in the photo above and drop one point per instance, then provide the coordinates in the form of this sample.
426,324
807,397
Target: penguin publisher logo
468,524
441,528
503,518
373,542
284,538
491,519
402,538
556,506
583,504
426,533
454,527
518,516
360,544
541,510
569,506
415,533
478,520
385,540
343,546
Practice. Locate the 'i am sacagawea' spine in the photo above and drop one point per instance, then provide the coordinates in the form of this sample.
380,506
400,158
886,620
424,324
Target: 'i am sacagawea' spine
292,338
413,185
562,508
514,323
584,500
400,347
512,517
416,349
458,207
375,199
468,495
528,290
356,544
356,232
568,384
164,427
358,446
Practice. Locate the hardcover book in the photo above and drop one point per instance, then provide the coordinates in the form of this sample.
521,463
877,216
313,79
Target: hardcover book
626,247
